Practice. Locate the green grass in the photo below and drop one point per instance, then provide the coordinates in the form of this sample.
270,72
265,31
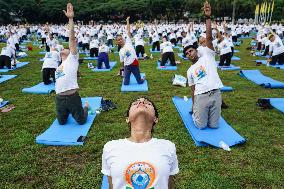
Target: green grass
256,164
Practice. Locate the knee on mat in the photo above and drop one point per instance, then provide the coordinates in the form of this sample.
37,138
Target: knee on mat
62,121
200,125
82,121
126,83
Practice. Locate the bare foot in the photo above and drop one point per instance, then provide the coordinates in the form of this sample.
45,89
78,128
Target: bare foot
86,104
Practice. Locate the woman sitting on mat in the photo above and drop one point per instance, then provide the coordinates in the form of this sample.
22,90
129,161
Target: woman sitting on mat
140,161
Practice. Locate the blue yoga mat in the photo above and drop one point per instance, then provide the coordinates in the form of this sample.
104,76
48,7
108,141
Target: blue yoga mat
42,52
155,51
40,89
19,57
236,58
207,136
4,103
236,51
105,184
4,78
68,134
134,86
111,64
19,65
260,54
226,89
229,68
91,58
277,66
257,77
237,43
182,57
41,60
253,43
167,66
277,103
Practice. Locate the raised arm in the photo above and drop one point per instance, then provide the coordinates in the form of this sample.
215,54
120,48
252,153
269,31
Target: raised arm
72,41
128,27
207,13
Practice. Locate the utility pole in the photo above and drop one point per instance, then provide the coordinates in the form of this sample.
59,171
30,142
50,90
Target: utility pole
234,12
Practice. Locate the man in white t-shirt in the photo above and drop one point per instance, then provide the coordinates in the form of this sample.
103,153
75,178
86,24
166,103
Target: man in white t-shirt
128,57
66,86
167,53
51,62
204,81
7,54
276,50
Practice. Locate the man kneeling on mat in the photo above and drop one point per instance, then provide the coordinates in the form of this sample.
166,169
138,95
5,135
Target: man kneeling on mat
128,57
204,81
66,86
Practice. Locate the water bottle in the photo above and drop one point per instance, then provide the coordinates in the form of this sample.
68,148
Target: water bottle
224,146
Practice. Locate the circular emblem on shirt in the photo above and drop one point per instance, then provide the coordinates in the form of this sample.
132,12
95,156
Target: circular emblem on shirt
140,175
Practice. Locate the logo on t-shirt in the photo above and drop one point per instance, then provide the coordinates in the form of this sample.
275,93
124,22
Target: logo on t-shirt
59,72
140,175
278,45
127,53
199,73
48,55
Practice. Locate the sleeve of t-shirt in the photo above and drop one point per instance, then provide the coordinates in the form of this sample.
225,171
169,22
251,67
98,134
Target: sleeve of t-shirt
210,52
189,78
105,167
174,163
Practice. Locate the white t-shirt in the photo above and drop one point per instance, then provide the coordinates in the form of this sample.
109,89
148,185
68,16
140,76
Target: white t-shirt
224,47
104,49
94,43
203,74
66,74
127,53
147,164
166,47
8,51
51,60
276,46
186,41
138,41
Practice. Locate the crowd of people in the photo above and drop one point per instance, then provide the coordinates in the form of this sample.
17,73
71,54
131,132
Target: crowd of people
140,161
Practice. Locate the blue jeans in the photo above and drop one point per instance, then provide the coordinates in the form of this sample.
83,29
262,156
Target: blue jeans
135,71
103,58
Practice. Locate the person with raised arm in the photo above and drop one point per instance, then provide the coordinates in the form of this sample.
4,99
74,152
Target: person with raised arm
204,80
128,57
68,99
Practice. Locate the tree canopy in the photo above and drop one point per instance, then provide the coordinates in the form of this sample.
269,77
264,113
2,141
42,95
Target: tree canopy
41,11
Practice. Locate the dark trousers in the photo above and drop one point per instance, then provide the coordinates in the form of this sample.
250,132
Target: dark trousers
46,74
235,38
47,48
277,58
232,54
150,40
135,71
103,58
118,48
85,46
17,47
266,50
258,46
5,61
156,45
43,41
168,56
225,57
70,104
140,49
179,39
94,52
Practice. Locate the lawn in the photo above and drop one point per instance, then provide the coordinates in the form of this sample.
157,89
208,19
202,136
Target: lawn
254,164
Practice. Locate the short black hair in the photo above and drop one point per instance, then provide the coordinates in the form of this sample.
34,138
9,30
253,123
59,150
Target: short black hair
189,47
155,109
